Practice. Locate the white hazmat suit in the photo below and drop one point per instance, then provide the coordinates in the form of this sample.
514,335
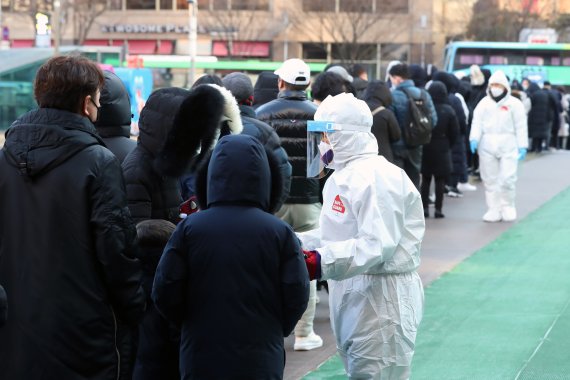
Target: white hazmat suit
500,130
371,228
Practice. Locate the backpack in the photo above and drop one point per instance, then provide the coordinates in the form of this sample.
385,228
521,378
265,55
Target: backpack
418,131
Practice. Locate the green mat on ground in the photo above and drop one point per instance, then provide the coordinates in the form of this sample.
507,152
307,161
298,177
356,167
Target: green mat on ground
501,314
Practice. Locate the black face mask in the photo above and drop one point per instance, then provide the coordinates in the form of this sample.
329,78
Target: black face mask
495,98
98,111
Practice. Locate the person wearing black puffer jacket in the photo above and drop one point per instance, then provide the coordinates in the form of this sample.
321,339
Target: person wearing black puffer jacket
288,115
233,276
436,160
67,241
385,126
458,176
114,123
241,88
151,194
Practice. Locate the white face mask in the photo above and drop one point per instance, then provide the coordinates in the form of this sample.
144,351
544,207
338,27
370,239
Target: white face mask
326,152
496,91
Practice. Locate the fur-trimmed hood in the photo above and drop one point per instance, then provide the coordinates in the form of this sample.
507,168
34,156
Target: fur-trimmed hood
208,112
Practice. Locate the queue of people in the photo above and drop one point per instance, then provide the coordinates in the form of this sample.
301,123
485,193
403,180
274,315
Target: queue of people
123,260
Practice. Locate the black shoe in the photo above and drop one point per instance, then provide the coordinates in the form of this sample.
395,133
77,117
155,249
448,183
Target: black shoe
438,214
426,213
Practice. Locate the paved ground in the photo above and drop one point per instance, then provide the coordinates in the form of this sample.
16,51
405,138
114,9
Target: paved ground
450,240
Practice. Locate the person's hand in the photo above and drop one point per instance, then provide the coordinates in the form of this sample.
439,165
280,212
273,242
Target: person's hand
473,145
522,153
313,261
188,207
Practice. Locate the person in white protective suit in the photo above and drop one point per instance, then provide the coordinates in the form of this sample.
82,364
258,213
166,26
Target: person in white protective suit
499,134
368,243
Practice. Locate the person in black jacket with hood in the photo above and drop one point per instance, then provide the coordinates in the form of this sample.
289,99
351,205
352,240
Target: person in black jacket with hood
265,88
385,127
158,340
234,328
114,122
241,88
436,160
67,246
151,193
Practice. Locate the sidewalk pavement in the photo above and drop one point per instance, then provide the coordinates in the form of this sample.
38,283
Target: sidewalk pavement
450,240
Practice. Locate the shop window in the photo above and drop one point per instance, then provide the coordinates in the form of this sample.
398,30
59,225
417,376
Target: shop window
220,4
356,6
349,51
257,5
114,5
319,5
141,4
314,52
165,5
392,6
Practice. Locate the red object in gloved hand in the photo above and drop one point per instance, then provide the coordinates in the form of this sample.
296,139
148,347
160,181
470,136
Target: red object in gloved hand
313,261
188,207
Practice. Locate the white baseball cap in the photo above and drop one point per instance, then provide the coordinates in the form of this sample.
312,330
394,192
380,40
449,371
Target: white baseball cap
294,71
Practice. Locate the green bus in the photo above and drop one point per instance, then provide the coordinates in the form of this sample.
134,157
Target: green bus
537,62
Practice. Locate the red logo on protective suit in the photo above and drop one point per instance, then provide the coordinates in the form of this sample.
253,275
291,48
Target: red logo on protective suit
338,206
504,108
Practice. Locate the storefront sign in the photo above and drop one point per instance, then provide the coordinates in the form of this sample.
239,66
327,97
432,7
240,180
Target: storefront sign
145,28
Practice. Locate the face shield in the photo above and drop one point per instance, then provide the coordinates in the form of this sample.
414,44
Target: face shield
319,150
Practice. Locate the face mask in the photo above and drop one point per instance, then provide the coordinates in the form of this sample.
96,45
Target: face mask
496,91
326,152
98,112
525,88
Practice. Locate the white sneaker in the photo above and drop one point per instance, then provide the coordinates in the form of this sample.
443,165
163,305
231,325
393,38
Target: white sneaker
492,216
466,186
308,342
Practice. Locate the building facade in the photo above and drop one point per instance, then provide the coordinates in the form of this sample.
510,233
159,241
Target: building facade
371,31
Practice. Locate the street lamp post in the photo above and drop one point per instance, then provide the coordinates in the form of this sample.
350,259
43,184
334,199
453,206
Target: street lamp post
192,32
57,26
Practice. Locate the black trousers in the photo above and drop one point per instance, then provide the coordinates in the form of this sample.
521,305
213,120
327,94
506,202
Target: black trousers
439,190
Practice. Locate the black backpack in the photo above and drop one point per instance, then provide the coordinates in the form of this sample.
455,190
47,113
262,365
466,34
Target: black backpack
418,131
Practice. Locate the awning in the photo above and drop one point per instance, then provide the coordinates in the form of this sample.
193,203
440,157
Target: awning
242,48
96,43
23,43
142,46
165,47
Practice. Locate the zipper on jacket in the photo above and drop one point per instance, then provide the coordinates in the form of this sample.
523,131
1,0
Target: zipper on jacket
116,348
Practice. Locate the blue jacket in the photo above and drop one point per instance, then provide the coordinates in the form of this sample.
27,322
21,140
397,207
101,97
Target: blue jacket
400,105
233,275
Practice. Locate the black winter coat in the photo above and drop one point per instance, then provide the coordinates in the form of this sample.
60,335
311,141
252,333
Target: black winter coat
458,155
384,124
158,340
436,159
288,115
270,140
3,307
114,124
541,114
152,195
233,275
66,251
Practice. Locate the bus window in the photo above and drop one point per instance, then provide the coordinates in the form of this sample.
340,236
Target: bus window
466,57
498,60
534,60
514,57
